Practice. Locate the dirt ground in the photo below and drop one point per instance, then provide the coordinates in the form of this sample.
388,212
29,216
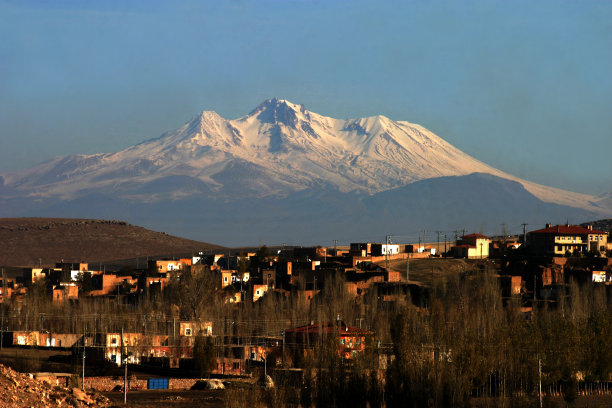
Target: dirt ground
169,398
433,269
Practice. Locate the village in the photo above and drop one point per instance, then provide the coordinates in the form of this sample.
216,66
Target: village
192,338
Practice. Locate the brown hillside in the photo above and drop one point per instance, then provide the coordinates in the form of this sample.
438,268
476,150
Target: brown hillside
34,241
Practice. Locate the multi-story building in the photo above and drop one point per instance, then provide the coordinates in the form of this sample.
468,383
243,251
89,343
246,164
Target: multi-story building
560,239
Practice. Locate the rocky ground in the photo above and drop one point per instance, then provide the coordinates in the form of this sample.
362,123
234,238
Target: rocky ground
19,390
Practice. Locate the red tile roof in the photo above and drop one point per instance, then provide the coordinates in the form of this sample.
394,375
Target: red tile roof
475,236
567,230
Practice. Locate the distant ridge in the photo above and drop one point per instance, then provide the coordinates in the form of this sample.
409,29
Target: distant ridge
285,174
45,241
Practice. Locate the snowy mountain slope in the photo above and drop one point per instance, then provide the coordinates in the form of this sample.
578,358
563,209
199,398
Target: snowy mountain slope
278,149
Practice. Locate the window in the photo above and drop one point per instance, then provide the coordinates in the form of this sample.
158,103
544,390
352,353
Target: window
341,341
113,341
187,331
236,366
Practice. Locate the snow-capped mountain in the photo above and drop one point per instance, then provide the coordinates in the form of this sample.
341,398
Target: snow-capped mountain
278,150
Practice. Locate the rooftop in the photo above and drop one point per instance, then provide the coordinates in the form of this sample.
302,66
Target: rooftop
567,230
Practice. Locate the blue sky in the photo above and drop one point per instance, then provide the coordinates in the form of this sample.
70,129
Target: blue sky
524,86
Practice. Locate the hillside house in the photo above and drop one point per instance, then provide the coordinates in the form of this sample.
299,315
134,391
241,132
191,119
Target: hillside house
259,291
472,246
351,340
226,277
169,265
112,284
65,291
384,249
362,249
31,275
192,328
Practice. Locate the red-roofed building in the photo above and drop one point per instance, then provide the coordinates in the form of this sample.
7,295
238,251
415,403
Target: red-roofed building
351,340
560,239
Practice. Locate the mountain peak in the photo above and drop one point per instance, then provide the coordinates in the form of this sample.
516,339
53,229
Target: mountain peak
277,110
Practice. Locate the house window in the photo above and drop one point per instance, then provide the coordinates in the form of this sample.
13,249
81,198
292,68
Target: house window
257,292
236,366
113,341
341,341
187,331
225,279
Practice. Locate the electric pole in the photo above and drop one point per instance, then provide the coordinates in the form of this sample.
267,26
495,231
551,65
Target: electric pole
84,341
444,243
387,251
540,379
524,233
124,361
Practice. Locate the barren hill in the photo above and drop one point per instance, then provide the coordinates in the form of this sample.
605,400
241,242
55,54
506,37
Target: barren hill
45,241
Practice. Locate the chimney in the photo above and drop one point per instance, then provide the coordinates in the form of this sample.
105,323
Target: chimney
590,227
548,225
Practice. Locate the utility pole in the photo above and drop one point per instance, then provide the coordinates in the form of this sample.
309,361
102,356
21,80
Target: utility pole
124,361
387,251
524,233
444,243
438,242
283,348
3,303
540,379
84,342
335,247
